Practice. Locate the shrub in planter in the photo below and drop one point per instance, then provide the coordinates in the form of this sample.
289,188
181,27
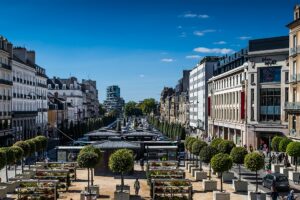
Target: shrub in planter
18,152
10,158
88,160
226,146
293,149
32,146
221,163
26,150
206,154
121,161
196,148
215,142
254,162
238,156
283,144
275,143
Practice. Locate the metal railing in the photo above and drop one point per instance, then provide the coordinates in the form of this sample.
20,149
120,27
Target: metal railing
294,78
292,106
295,50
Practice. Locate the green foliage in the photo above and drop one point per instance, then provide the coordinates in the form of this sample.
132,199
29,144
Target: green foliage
283,144
10,155
238,155
197,146
148,105
2,158
102,110
87,159
275,143
190,144
18,152
254,161
186,141
121,161
207,153
221,162
226,146
132,109
32,146
38,144
215,142
90,148
24,146
293,149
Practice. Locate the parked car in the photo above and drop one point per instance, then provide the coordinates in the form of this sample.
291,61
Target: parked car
281,181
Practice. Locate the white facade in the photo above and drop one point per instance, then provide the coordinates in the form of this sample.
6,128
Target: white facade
198,94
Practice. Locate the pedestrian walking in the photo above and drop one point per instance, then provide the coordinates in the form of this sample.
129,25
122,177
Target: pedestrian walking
291,195
142,164
274,193
137,186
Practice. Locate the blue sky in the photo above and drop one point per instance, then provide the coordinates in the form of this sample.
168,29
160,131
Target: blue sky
141,45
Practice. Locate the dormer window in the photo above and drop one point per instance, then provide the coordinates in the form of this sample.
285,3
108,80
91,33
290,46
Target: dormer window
71,86
64,87
56,86
49,86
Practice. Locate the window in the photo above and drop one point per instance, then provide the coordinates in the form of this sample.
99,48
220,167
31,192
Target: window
252,79
295,41
270,104
294,94
252,105
286,94
286,77
294,122
270,74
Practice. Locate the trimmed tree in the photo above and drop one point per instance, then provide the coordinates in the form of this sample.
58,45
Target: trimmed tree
10,158
221,163
26,150
215,142
2,159
238,156
121,161
18,151
88,160
196,148
32,149
206,154
254,162
283,144
275,143
226,146
190,146
293,149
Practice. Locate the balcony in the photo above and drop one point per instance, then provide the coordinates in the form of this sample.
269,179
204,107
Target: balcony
295,50
295,78
5,66
292,107
6,82
294,133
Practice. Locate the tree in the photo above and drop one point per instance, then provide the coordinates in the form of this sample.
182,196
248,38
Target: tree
190,146
18,152
88,160
220,163
148,105
226,146
275,143
254,162
132,109
206,154
283,144
196,148
293,149
43,142
102,110
238,156
26,150
121,161
10,158
90,148
2,159
215,142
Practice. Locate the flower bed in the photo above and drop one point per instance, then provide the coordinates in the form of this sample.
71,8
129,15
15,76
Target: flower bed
165,174
162,165
171,189
37,189
62,176
71,166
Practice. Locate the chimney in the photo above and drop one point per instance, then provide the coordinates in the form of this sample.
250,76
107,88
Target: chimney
10,49
31,56
21,53
296,12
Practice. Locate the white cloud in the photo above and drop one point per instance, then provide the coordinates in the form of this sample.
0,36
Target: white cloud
141,75
167,60
220,42
214,50
193,57
201,33
244,37
194,15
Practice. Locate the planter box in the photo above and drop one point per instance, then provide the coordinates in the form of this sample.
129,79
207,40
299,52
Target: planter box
228,176
3,192
209,185
194,170
256,196
125,187
190,167
286,171
121,195
240,186
10,186
221,195
187,164
87,196
294,176
201,175
275,168
95,189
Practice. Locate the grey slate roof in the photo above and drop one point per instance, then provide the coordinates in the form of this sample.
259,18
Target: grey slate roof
117,145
